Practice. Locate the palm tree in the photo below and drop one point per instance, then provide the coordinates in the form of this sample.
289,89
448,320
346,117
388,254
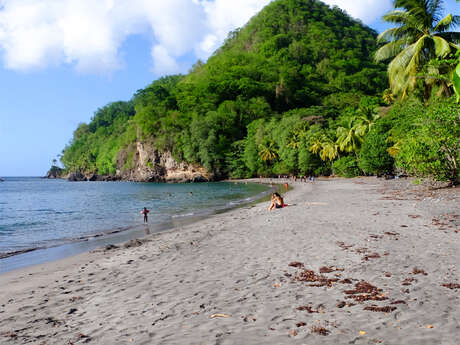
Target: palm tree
456,82
268,151
349,138
388,97
324,146
366,118
420,36
297,136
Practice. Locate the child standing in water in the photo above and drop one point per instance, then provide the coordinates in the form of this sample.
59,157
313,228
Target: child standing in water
145,212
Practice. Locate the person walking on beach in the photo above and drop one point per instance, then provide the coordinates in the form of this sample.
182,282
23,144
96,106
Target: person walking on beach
145,212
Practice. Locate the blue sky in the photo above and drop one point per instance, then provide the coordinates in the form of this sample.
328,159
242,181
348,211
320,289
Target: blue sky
60,63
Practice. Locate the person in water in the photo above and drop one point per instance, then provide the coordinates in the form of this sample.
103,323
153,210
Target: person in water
145,212
276,202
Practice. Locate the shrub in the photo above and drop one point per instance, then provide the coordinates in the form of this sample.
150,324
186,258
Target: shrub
432,148
346,167
373,157
323,170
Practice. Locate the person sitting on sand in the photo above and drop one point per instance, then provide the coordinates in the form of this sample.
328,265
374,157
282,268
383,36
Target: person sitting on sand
276,202
145,212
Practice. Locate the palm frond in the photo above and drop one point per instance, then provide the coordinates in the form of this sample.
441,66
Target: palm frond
398,76
396,34
455,21
417,56
397,17
442,47
444,24
389,50
452,36
401,60
435,9
454,46
456,82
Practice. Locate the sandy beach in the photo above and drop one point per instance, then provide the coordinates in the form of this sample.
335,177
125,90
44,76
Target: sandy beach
360,261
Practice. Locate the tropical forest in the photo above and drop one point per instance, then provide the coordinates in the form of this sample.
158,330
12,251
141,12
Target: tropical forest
301,89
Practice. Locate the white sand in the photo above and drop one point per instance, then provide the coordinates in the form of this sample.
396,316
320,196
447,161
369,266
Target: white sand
167,290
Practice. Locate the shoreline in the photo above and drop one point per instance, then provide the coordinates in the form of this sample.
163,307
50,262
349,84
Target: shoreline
10,261
251,276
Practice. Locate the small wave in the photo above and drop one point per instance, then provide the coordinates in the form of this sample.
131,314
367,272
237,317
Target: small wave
183,215
21,224
16,252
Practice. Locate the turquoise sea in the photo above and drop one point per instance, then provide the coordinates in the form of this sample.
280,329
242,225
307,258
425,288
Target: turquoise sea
63,218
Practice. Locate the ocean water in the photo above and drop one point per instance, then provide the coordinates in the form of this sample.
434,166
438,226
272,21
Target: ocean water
40,213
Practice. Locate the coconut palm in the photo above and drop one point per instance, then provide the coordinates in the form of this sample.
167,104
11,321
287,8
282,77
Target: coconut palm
420,36
324,146
297,136
350,137
268,152
388,97
366,117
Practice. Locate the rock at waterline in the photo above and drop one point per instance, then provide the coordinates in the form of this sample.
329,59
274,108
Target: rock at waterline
54,172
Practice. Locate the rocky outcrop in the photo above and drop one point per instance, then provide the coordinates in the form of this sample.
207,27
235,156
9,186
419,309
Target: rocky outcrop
141,162
144,163
54,172
78,176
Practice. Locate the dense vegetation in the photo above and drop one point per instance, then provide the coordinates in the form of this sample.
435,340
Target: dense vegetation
295,91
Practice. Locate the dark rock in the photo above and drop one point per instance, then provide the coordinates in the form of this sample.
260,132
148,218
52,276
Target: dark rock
110,247
93,177
199,178
54,172
133,243
76,176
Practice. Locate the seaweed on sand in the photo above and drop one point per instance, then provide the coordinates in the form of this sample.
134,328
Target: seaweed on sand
419,271
307,308
385,309
296,264
371,256
319,330
312,277
365,291
451,286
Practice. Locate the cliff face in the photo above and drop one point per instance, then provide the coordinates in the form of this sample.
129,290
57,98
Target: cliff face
149,165
141,162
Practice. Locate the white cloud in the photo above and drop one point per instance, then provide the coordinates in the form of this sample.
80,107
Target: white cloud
366,10
224,16
89,33
163,63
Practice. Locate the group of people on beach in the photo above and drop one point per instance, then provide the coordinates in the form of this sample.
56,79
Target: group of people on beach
294,178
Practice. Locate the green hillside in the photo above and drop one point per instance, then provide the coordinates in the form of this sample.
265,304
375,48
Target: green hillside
295,91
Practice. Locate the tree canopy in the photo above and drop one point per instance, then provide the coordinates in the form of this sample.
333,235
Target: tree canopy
421,35
295,91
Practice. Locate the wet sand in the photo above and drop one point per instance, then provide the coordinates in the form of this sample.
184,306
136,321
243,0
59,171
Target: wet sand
360,261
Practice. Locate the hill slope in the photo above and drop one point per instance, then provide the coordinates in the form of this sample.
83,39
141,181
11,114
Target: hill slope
297,65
